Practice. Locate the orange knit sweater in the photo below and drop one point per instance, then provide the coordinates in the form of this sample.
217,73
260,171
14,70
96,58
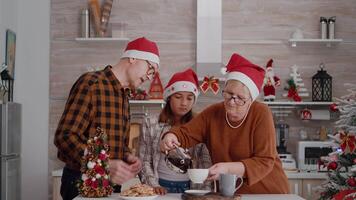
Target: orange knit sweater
253,144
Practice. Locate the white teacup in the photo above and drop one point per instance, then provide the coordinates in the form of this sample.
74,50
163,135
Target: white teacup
198,175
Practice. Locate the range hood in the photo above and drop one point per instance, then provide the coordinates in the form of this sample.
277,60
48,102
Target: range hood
209,38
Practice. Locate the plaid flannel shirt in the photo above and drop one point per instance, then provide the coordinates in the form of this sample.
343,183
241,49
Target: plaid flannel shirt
97,99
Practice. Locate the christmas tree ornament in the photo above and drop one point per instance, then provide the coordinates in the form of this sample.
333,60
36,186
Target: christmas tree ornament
351,182
332,165
333,107
270,82
156,88
211,83
95,180
321,85
305,114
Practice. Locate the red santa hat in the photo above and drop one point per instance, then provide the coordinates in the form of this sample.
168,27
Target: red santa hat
186,81
142,48
269,64
251,75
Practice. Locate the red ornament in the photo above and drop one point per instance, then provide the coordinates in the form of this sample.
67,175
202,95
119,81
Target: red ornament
102,156
332,166
305,114
88,182
333,107
94,184
99,169
354,161
105,183
351,181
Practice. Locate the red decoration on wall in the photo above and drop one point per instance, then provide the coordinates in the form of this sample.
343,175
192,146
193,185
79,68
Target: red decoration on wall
156,89
210,83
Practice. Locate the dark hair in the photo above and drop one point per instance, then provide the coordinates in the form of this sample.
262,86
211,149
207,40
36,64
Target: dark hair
167,116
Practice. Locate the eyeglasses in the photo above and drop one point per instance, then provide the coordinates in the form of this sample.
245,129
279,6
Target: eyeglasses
151,69
237,100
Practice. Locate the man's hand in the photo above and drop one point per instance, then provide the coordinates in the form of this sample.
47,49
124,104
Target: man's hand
134,163
169,142
120,171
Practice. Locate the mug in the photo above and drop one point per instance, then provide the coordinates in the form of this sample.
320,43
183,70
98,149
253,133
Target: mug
229,183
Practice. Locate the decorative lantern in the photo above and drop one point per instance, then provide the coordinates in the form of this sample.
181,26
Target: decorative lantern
321,85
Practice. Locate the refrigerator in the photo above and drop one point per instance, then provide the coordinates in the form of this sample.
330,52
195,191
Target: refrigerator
10,146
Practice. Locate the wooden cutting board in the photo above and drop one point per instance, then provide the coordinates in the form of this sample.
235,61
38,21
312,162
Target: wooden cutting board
209,196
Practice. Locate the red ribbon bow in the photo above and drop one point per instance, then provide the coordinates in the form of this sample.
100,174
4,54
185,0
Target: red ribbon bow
210,83
348,143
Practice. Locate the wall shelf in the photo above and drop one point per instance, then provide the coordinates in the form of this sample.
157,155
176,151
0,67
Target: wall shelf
101,39
153,101
147,103
301,103
327,42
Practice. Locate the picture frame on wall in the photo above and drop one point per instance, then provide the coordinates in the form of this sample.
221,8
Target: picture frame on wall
9,73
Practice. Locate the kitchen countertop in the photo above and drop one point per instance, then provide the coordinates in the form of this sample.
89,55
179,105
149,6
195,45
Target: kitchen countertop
290,175
115,196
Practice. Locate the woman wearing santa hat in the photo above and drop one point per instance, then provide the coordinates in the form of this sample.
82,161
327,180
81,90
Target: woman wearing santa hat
239,133
180,94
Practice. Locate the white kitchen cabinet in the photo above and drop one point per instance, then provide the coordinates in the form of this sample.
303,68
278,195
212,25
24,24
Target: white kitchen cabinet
305,188
295,186
309,186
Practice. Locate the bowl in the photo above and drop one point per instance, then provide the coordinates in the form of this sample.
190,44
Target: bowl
198,175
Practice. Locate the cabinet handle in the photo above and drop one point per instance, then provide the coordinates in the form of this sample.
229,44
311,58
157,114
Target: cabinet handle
309,189
296,188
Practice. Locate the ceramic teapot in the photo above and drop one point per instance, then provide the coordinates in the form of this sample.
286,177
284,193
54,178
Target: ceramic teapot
178,160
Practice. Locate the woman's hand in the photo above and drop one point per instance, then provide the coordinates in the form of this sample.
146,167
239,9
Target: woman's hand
226,168
216,170
160,190
169,142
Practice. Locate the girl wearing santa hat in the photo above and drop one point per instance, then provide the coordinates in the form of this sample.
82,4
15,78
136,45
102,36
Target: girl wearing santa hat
239,133
180,94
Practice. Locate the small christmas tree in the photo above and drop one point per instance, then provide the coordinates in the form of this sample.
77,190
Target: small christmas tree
95,181
296,88
341,164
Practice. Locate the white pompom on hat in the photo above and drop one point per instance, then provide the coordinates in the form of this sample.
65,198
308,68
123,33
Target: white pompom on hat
186,81
251,75
142,48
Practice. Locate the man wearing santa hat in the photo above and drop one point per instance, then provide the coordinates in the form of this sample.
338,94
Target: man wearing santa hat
100,99
239,133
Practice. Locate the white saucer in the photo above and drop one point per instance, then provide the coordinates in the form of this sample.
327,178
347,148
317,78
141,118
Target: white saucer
197,192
